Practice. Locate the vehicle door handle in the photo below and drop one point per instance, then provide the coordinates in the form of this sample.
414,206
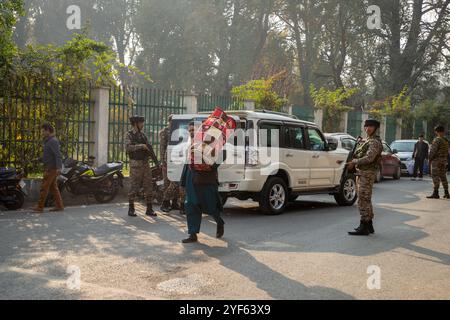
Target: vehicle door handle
290,155
316,156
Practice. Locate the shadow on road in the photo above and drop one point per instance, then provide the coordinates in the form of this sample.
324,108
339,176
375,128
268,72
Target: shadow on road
307,226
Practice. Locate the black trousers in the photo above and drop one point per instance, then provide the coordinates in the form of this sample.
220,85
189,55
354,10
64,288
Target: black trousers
418,167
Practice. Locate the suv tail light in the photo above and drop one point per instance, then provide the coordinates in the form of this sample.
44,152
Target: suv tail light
252,156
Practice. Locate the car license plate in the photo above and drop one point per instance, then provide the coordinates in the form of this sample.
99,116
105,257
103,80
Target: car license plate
22,184
160,183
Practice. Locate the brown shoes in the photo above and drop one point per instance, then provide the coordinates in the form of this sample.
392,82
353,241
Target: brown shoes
37,210
57,210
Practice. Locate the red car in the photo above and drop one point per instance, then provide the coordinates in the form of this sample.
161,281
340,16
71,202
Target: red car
391,166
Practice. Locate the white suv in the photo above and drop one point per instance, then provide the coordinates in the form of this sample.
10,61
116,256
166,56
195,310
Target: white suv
301,160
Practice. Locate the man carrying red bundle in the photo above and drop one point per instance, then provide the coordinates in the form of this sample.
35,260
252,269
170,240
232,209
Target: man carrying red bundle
200,176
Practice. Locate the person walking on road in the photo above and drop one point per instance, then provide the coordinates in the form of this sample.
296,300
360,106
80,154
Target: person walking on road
140,152
52,161
438,163
367,159
420,155
200,176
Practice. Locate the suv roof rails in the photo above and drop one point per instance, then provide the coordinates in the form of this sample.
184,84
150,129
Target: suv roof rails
278,113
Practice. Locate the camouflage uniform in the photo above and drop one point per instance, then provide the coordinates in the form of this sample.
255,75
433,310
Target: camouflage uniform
171,188
367,160
140,173
438,160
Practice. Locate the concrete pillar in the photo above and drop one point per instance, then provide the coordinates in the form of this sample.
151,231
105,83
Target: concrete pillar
425,129
344,122
318,117
191,103
249,105
398,131
100,125
383,128
290,110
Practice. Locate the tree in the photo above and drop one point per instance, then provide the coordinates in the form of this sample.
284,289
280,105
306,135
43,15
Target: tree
49,84
10,10
413,39
261,91
435,111
333,104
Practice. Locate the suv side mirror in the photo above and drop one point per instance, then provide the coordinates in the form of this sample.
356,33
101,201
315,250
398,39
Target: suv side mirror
332,144
395,151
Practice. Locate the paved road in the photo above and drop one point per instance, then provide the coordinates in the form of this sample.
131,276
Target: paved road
303,254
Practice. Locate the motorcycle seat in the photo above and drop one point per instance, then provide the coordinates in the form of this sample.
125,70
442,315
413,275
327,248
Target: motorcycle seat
109,167
7,173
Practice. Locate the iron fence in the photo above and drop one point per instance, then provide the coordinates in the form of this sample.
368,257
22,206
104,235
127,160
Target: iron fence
304,113
354,124
25,105
154,104
391,129
207,102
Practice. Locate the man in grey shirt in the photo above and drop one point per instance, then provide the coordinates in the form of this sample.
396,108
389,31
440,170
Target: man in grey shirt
52,161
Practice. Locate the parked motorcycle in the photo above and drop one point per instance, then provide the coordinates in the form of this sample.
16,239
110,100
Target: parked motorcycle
12,186
80,178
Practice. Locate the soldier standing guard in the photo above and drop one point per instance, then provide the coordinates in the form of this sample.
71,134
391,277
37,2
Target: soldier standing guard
171,188
438,163
140,152
367,159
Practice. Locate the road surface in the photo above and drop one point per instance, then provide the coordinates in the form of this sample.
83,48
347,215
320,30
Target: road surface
97,252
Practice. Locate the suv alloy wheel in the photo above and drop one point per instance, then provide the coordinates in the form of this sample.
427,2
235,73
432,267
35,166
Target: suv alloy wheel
274,196
347,195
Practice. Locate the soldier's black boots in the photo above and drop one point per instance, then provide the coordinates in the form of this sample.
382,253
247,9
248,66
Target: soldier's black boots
165,207
363,230
192,238
435,195
150,212
220,231
447,195
131,210
369,225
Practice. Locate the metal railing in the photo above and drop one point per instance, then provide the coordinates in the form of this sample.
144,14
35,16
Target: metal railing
25,105
154,104
208,102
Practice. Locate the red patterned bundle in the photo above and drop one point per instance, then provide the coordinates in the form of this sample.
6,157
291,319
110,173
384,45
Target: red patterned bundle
210,140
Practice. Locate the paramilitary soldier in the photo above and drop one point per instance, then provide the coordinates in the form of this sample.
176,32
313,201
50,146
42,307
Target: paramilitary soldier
171,192
140,152
367,159
438,163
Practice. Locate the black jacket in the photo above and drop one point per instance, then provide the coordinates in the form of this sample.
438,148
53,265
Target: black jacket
421,151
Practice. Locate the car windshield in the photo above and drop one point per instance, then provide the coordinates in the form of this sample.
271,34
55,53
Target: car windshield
403,146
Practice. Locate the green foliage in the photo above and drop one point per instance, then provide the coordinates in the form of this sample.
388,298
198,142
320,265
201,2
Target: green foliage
51,84
398,106
434,112
333,103
262,93
10,10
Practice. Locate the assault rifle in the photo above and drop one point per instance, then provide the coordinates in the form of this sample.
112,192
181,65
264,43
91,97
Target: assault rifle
351,156
151,153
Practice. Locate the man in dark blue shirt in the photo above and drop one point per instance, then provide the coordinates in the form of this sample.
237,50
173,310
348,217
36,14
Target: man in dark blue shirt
52,161
420,155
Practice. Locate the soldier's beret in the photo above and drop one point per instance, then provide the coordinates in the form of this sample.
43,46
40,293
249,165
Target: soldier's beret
372,123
